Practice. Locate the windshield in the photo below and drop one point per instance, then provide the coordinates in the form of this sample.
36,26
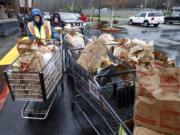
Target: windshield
68,16
155,14
159,14
176,13
46,13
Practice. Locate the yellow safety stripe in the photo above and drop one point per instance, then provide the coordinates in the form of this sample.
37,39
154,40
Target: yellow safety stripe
11,56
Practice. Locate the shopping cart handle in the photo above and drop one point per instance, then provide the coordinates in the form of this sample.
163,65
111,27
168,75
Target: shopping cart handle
71,50
117,61
117,73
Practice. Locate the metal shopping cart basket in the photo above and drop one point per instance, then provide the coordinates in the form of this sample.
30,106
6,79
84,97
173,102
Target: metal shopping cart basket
100,115
119,93
90,33
87,35
80,75
39,89
82,78
67,47
90,101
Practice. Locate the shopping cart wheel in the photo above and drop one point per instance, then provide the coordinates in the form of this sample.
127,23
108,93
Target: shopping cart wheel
38,110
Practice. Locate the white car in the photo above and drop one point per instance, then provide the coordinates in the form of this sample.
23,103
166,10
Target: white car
147,18
71,18
47,15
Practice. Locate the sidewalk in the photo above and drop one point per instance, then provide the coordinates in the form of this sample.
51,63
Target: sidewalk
6,43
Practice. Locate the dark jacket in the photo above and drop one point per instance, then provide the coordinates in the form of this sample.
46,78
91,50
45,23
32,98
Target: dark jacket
53,24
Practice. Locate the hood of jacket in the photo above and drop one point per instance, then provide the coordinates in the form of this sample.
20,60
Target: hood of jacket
37,12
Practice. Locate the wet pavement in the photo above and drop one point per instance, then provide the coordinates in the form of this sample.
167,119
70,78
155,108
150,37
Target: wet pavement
6,43
166,38
62,120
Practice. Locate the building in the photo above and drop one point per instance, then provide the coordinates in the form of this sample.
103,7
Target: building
8,17
8,8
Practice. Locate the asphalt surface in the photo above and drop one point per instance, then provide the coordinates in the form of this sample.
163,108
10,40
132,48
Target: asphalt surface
6,43
61,120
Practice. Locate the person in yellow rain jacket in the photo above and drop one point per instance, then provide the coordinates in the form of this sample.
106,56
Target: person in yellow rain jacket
39,28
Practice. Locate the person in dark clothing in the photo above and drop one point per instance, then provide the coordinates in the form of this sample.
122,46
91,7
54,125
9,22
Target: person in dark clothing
56,20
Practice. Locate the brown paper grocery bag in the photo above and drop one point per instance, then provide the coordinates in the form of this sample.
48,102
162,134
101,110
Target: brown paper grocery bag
93,55
138,130
157,103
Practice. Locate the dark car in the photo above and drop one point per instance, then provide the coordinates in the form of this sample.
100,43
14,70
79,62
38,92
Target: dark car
71,18
172,19
175,16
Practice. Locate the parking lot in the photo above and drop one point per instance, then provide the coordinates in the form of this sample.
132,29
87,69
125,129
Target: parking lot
97,67
166,37
61,119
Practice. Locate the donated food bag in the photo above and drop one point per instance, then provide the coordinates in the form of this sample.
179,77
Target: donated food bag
162,60
135,52
75,39
145,131
157,103
58,30
93,55
68,29
34,55
108,38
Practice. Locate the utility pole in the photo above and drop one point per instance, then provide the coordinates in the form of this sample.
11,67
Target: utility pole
91,5
168,5
164,7
72,6
157,6
99,11
145,3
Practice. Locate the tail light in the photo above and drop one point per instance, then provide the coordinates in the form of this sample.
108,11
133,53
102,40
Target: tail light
152,18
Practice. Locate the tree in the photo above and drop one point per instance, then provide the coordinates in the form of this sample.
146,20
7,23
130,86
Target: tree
78,6
114,4
90,5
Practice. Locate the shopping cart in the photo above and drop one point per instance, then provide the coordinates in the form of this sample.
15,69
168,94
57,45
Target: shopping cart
99,115
82,78
66,47
92,33
88,34
119,93
80,75
39,89
91,99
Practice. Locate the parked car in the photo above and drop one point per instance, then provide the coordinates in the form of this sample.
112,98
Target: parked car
175,16
47,15
71,18
147,18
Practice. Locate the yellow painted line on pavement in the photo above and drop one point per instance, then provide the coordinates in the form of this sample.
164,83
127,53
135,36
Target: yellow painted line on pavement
11,56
